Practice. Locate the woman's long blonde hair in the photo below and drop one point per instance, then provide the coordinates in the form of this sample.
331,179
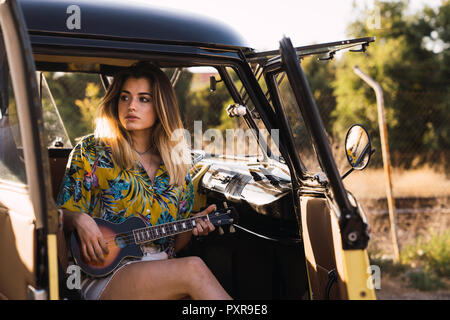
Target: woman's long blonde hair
167,133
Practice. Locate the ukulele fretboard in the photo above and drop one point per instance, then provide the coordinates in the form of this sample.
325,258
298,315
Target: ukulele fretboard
163,230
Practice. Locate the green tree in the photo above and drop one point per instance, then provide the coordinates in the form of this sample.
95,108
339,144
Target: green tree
206,106
321,75
67,89
182,88
89,105
412,77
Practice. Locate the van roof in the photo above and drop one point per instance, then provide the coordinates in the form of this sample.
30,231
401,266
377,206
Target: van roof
127,21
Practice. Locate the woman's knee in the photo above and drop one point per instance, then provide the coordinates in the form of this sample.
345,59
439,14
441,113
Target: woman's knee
195,264
198,271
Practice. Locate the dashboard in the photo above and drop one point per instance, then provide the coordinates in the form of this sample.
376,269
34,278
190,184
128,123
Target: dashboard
265,187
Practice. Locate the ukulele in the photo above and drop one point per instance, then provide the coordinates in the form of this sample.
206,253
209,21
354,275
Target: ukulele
125,238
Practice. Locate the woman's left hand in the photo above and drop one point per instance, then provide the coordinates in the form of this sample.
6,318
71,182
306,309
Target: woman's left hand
203,227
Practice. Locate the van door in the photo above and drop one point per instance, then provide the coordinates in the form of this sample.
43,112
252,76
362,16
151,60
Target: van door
27,226
333,226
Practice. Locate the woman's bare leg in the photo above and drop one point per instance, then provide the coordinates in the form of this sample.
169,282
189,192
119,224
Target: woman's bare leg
165,279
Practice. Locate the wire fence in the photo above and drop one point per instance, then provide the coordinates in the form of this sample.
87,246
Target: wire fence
419,146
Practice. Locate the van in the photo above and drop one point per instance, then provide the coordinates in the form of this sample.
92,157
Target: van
298,234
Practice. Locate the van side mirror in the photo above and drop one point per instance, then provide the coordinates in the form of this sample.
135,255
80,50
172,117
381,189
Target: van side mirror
358,148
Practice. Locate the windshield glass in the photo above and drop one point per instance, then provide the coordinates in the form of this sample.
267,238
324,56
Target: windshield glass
57,135
71,99
302,141
270,138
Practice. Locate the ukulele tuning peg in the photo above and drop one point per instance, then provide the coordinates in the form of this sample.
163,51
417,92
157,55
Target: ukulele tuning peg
220,231
232,229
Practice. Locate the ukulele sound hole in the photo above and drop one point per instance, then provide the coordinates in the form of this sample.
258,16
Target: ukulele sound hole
121,241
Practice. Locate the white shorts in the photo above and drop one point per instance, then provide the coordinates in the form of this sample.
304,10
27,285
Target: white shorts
92,288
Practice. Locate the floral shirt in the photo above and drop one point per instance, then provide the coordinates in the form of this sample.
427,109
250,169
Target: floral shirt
94,184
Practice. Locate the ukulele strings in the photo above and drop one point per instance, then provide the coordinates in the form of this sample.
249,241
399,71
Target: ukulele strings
129,236
131,240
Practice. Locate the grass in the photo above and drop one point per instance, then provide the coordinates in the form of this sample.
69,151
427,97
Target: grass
431,254
424,264
421,182
424,281
425,254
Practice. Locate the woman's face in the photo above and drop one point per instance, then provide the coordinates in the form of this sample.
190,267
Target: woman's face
136,108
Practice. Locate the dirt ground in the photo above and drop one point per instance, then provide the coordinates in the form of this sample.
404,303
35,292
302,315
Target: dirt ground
394,288
422,200
410,226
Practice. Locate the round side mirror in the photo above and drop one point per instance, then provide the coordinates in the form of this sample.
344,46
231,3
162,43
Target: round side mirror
358,147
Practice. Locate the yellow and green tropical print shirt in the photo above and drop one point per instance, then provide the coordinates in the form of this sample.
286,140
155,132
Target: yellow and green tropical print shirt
94,184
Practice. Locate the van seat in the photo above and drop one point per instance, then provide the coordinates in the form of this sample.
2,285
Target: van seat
57,158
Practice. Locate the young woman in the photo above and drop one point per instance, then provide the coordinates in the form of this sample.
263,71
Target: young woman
136,165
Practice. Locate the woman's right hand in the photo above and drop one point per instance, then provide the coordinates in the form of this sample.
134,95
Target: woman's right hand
93,245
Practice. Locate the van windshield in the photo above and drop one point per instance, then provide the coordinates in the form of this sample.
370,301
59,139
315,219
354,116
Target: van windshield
302,140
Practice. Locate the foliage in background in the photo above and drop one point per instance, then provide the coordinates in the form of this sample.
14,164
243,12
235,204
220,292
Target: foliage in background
320,78
410,61
75,95
207,106
88,106
424,264
433,254
430,259
182,90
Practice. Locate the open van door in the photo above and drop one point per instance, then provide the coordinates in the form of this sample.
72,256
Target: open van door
28,220
332,224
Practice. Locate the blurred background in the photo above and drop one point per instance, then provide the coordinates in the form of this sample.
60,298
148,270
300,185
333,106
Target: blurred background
410,59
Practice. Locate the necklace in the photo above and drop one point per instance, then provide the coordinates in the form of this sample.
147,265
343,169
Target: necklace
142,153
142,162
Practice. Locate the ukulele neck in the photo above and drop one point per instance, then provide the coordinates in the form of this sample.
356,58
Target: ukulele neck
152,233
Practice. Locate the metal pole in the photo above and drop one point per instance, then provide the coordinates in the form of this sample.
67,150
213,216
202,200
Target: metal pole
386,157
